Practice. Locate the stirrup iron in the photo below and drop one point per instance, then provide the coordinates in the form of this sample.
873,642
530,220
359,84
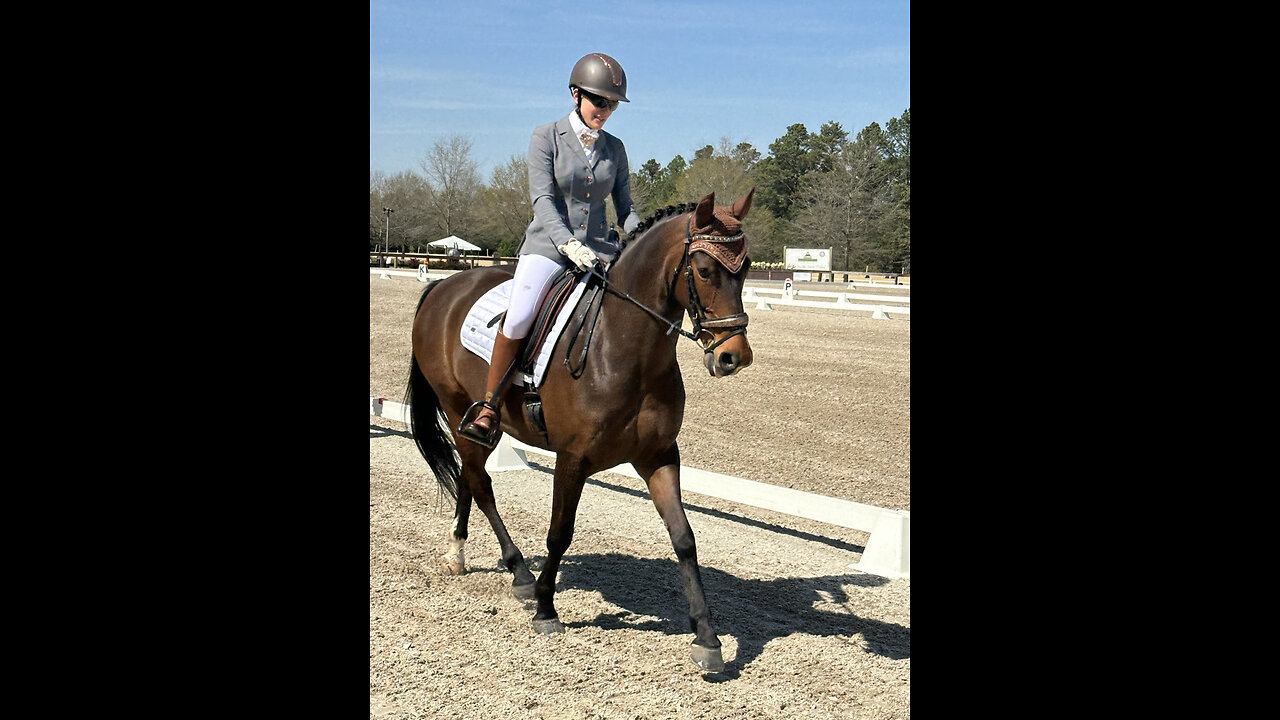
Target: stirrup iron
490,439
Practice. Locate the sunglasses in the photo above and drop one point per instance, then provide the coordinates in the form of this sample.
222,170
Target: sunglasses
599,101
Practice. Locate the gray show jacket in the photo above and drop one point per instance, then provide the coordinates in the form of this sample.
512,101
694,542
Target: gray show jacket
568,193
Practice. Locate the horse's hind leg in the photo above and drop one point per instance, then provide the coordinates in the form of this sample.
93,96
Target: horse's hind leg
455,561
663,478
480,487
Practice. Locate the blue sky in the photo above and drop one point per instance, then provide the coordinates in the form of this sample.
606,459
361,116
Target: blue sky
697,71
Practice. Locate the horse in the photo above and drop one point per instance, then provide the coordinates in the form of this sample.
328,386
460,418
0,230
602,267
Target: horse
624,403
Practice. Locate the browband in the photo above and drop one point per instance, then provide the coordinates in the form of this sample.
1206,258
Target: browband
728,251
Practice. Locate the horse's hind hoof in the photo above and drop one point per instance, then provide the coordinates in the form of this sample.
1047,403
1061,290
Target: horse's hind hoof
547,627
709,659
453,566
524,592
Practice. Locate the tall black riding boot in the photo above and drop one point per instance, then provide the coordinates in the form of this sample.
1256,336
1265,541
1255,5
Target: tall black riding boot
483,428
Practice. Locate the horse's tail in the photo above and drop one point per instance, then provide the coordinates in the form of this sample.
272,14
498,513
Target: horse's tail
425,418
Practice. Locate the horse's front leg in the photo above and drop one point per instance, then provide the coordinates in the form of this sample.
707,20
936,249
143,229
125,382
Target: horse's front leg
569,478
663,478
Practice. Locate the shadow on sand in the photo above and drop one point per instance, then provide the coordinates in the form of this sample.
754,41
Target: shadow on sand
752,611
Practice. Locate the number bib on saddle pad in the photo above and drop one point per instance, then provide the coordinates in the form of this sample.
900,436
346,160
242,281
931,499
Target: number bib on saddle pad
478,336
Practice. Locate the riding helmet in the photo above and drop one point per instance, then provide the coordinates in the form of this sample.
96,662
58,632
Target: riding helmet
600,74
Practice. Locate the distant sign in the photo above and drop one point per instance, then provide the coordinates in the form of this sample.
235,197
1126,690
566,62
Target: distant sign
807,258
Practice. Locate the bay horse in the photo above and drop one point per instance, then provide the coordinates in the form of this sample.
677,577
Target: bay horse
623,404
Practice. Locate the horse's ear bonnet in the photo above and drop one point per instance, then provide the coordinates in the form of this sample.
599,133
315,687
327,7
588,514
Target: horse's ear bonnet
718,231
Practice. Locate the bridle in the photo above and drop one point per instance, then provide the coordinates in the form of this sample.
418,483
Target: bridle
702,322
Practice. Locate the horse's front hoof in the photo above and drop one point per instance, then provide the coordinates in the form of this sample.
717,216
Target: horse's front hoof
547,627
454,566
524,592
709,659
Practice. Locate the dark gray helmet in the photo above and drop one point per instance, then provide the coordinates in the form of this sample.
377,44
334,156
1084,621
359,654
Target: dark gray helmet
600,74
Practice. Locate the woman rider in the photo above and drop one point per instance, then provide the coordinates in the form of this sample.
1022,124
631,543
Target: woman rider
573,166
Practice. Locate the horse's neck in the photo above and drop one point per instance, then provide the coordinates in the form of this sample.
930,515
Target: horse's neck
636,341
645,268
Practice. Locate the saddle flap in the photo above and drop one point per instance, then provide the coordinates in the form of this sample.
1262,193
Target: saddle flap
546,315
479,329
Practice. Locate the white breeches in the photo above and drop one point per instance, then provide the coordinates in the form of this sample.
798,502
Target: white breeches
534,274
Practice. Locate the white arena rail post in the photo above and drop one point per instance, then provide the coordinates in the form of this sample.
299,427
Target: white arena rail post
888,550
506,457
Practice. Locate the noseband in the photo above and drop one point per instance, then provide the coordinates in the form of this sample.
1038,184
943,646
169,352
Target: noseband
702,323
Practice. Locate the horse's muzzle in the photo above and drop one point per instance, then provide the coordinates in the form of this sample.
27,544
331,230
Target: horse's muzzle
729,357
730,352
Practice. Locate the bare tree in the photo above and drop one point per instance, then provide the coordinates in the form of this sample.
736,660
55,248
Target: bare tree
841,208
409,197
506,206
377,191
454,179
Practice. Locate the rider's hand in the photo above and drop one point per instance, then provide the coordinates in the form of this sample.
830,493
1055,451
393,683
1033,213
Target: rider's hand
579,254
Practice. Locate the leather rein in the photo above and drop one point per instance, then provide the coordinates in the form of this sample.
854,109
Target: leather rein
702,323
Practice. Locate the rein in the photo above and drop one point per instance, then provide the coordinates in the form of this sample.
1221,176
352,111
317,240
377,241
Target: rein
608,286
702,323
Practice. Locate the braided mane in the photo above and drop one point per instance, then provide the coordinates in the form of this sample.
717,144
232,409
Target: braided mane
668,211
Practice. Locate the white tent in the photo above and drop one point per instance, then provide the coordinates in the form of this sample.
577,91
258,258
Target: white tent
453,241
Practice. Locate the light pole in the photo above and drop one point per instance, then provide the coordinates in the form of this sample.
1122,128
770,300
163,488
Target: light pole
386,242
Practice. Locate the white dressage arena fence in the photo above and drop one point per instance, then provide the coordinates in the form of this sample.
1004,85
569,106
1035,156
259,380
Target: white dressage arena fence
421,273
885,307
888,550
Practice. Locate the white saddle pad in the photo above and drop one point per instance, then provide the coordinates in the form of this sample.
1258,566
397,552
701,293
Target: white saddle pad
478,337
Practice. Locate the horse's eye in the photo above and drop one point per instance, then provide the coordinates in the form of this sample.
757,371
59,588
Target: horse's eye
704,273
